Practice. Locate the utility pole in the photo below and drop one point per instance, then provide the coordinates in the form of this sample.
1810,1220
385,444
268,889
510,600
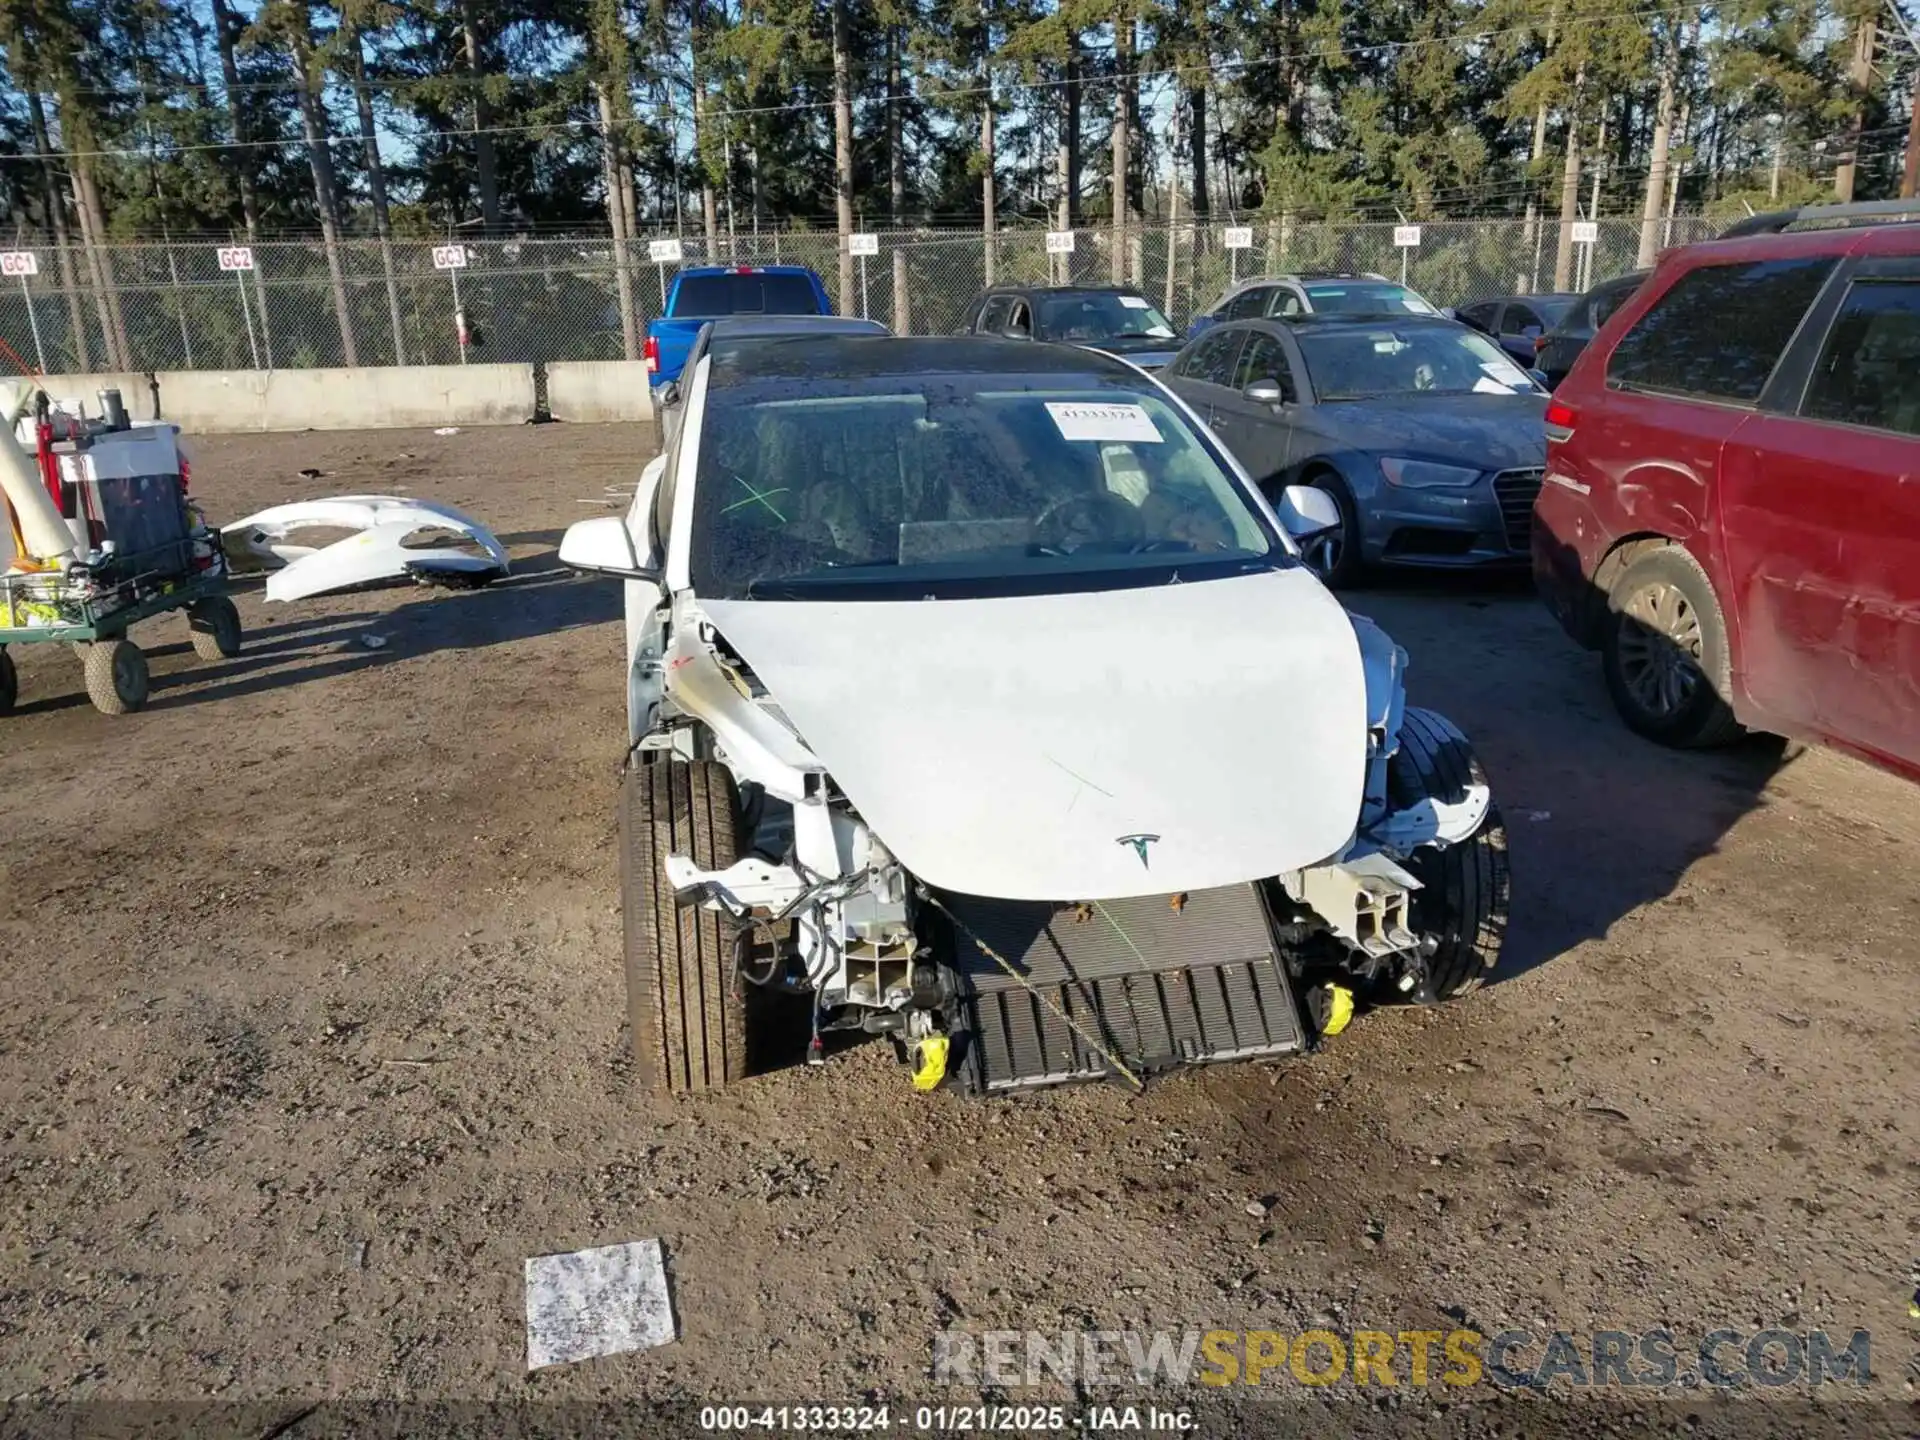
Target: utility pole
1859,81
1910,177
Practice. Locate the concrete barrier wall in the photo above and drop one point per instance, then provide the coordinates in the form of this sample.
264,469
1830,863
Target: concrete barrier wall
136,391
211,401
591,391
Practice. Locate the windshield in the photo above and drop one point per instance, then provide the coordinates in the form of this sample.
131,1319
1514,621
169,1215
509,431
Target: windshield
1362,363
1365,297
958,483
755,293
1092,316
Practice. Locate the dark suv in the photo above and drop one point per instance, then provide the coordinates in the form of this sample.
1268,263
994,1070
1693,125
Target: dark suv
1731,513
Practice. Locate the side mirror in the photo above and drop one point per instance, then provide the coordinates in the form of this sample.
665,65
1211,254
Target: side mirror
1017,332
1539,377
604,546
1447,312
1265,392
670,393
1306,511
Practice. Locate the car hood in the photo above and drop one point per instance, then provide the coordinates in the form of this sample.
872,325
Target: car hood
1082,746
1149,352
1487,432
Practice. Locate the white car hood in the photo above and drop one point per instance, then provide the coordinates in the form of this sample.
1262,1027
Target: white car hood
1026,748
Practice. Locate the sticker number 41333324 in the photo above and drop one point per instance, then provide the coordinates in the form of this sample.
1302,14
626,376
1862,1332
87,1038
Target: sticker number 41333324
1083,420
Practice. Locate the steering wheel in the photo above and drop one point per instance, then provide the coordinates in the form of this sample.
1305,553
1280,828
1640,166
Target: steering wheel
1423,376
1090,518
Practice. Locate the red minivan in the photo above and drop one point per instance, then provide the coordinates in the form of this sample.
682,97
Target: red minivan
1731,511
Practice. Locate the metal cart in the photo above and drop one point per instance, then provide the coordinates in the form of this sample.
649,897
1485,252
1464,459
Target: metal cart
93,612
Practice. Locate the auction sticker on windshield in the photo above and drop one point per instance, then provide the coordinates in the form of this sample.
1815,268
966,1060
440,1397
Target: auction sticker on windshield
1133,302
1127,424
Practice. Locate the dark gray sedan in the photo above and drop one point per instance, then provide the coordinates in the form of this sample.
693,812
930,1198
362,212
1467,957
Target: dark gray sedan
1428,436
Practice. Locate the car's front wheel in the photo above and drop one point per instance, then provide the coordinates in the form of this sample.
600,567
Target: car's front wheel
1664,652
683,992
1465,888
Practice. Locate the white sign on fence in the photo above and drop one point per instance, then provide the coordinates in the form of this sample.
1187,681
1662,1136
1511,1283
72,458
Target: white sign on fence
1239,237
235,257
1586,232
863,244
664,252
1060,242
1407,237
449,257
19,262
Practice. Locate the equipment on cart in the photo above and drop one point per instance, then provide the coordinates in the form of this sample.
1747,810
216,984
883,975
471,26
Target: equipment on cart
105,535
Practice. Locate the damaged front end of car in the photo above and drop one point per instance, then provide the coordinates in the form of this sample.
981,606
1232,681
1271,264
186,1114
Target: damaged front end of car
1006,994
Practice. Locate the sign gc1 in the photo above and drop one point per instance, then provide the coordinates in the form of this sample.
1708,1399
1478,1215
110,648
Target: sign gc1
19,262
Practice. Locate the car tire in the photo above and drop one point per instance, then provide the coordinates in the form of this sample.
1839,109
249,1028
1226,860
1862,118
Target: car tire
116,673
1664,652
1345,569
684,995
1465,888
215,627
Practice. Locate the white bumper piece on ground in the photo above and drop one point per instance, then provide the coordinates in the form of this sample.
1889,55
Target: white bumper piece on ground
377,552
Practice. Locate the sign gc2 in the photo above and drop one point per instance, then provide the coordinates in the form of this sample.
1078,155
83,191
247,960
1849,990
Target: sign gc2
235,257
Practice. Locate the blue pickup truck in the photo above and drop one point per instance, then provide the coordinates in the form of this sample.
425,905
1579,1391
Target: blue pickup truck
707,292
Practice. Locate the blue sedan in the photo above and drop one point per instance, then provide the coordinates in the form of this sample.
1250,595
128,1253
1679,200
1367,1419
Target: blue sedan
1428,437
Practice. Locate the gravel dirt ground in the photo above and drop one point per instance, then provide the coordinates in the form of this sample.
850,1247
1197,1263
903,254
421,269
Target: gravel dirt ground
312,1030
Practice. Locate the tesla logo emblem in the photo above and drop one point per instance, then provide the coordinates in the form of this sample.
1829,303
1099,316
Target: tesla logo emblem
1139,844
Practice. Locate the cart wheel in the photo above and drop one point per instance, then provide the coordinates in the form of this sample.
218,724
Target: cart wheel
216,628
116,676
9,681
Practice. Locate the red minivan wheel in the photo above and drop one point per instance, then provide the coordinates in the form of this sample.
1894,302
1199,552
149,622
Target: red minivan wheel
1664,652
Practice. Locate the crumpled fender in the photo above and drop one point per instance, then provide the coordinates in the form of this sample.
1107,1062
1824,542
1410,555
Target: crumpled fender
376,553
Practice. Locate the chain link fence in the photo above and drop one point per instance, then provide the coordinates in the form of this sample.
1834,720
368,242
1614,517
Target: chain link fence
171,307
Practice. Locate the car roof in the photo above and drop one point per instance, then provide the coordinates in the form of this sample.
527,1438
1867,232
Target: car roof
1880,238
1062,290
702,270
1321,320
865,357
736,327
1563,296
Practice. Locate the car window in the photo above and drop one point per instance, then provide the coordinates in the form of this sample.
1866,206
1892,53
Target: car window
1250,303
750,294
859,485
1019,318
1094,316
1718,332
1604,302
1480,316
1263,358
1212,359
1869,371
993,315
1286,302
1365,297
1517,319
1360,362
